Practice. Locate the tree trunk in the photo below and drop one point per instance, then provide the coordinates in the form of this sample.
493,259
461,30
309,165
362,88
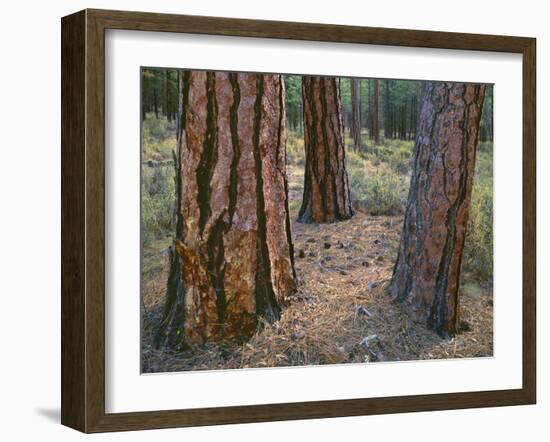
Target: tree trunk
376,115
369,109
233,257
410,132
326,192
143,113
405,113
155,103
426,274
387,111
356,114
167,94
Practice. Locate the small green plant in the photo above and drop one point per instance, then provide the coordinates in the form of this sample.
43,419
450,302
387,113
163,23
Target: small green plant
157,203
295,153
478,247
383,196
374,186
158,139
395,153
155,127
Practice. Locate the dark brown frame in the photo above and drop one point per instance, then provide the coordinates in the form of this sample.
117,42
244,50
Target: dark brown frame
83,215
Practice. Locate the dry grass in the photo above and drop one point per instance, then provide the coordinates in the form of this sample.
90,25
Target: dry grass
343,272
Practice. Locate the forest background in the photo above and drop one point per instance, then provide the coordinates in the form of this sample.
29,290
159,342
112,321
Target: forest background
378,163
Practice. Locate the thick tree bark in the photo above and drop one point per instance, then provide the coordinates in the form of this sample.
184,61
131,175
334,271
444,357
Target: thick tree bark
376,114
326,192
355,114
426,274
233,257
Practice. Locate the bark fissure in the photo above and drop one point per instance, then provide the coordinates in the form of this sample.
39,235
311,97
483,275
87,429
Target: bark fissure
170,332
209,153
266,302
216,267
234,124
328,174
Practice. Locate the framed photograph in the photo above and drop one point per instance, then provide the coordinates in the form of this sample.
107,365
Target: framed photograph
266,220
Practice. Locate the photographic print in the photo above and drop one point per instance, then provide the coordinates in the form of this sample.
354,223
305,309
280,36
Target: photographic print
298,220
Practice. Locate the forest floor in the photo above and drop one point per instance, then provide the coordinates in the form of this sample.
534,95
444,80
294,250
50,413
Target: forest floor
341,312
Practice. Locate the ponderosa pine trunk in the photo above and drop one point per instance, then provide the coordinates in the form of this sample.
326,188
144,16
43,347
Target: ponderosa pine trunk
232,262
355,115
426,275
326,191
376,114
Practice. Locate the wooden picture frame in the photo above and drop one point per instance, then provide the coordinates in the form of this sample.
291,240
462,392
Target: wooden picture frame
83,218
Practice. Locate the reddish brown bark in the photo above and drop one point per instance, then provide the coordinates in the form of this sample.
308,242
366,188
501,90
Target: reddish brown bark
355,114
326,192
233,254
426,275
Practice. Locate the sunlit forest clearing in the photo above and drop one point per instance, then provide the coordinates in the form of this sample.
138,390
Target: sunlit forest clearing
340,311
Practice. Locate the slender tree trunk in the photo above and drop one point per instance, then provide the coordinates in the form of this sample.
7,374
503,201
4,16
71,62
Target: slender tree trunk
411,121
369,111
301,120
143,113
426,274
233,258
356,114
375,115
155,103
166,94
404,121
387,111
415,117
326,191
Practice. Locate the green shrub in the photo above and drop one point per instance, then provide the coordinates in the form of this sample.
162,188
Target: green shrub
157,203
295,153
376,188
155,127
395,153
158,138
478,247
355,160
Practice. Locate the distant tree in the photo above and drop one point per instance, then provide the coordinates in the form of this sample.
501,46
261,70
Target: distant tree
426,274
166,106
369,109
412,118
356,114
376,114
388,111
159,92
293,102
487,116
326,190
232,259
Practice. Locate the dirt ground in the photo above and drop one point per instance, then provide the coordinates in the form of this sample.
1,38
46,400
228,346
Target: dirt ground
341,312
